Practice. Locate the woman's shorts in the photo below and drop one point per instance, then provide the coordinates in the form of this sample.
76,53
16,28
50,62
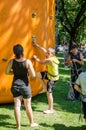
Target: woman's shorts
21,91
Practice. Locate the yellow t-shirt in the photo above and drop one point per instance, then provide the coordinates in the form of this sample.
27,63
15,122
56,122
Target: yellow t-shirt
52,69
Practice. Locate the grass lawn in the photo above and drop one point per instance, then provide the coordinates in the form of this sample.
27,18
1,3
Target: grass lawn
65,116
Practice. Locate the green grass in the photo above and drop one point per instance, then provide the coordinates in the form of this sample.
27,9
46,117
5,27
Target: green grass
65,116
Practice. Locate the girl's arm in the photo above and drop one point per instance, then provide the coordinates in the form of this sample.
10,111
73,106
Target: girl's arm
31,69
9,70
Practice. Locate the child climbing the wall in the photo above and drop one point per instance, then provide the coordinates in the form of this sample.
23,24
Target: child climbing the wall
52,74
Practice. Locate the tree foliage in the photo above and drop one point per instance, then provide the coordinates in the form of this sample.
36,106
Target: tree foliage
71,20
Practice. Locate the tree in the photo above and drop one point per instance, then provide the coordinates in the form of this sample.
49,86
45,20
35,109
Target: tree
72,20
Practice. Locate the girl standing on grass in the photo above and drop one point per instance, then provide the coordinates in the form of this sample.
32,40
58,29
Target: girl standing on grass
21,68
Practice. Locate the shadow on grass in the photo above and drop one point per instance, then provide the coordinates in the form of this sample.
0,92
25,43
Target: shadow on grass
7,106
4,123
7,125
63,127
4,116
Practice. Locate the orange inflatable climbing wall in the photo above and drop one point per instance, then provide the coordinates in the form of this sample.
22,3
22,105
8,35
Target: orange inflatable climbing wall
19,21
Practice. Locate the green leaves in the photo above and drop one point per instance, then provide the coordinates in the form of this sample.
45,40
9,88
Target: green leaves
71,20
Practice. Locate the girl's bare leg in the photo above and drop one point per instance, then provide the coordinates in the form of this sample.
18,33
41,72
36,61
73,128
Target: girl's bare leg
17,105
29,113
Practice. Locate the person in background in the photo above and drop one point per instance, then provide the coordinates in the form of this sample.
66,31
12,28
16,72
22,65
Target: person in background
65,52
80,86
21,68
75,59
52,74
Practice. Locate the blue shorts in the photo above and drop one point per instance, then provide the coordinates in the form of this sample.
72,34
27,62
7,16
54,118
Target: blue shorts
21,91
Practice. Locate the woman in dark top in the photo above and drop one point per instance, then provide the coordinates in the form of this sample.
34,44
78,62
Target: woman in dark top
75,59
21,68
